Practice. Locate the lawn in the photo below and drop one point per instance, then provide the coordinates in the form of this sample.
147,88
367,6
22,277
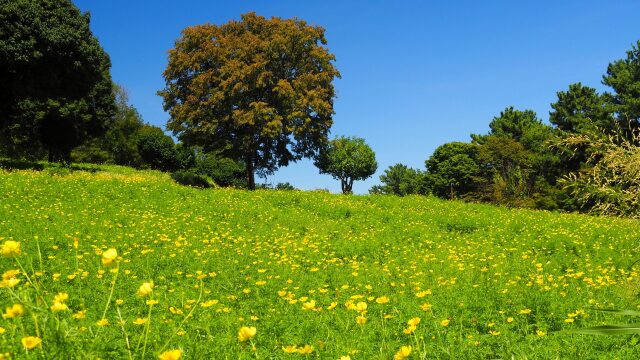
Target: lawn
317,275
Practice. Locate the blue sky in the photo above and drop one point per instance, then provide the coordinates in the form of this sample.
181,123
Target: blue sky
415,74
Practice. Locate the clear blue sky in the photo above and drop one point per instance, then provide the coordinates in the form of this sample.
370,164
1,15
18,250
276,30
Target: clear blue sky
415,74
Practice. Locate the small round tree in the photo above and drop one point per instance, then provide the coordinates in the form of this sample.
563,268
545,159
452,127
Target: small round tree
347,159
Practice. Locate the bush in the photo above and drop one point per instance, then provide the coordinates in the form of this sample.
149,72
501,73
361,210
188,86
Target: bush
224,171
190,178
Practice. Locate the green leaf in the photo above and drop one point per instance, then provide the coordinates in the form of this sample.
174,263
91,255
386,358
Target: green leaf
621,312
609,330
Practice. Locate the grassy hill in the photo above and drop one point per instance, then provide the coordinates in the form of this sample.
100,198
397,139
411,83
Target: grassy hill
342,274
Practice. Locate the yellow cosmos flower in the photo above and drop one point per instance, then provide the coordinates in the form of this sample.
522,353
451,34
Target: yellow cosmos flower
145,289
414,322
525,312
171,355
290,349
10,248
9,282
102,322
13,311
58,306
332,306
540,333
209,303
345,357
361,306
140,321
425,307
494,333
444,322
309,305
109,256
382,300
30,342
361,320
410,329
2,330
61,297
80,314
307,349
246,333
403,353
10,274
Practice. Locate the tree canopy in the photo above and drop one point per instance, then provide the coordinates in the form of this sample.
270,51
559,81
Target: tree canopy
56,87
347,159
257,89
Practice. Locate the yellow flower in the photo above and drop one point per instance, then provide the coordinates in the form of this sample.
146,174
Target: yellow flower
444,322
109,256
414,322
361,306
2,330
145,289
58,306
61,297
80,314
15,310
309,305
410,329
102,322
509,319
289,349
525,312
139,321
361,320
382,300
30,342
10,274
425,307
171,355
119,301
209,303
332,306
346,357
494,333
151,302
307,349
403,353
10,248
540,333
10,282
246,333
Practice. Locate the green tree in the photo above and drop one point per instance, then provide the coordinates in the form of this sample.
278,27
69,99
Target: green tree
580,109
347,159
257,89
623,76
451,169
401,180
56,88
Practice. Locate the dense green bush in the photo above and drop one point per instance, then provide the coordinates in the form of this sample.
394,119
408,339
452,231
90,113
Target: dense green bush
190,178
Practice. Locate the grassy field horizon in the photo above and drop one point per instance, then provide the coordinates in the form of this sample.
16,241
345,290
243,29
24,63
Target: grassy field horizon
317,275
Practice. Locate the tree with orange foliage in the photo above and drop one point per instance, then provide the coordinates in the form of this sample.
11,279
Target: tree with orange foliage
260,90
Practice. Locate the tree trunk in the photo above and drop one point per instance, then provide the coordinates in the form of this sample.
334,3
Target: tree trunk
251,180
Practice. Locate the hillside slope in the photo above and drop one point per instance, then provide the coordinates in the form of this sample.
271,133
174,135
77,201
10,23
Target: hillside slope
485,282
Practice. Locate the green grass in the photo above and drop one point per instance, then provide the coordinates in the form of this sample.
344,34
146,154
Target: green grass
263,254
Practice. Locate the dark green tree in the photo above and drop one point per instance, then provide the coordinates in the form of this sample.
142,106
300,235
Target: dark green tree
347,159
56,89
580,109
623,76
451,169
400,180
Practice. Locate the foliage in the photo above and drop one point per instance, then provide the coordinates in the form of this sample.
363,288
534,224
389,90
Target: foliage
190,178
623,76
610,183
256,89
451,169
224,171
400,180
485,282
56,88
157,149
347,159
284,186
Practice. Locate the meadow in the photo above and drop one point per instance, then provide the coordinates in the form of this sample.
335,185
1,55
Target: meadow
116,263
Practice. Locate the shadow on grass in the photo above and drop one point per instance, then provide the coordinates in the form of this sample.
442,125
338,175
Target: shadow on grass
16,164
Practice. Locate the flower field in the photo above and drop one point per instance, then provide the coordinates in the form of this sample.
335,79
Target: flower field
113,263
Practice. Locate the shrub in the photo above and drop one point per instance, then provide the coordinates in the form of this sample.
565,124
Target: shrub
190,178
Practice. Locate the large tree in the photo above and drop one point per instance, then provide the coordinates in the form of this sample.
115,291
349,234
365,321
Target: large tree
257,89
56,88
451,169
347,159
400,180
623,76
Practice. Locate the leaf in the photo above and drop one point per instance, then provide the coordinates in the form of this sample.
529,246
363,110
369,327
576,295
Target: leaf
609,330
621,312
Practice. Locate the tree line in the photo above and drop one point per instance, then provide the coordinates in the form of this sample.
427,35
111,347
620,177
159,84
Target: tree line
586,159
